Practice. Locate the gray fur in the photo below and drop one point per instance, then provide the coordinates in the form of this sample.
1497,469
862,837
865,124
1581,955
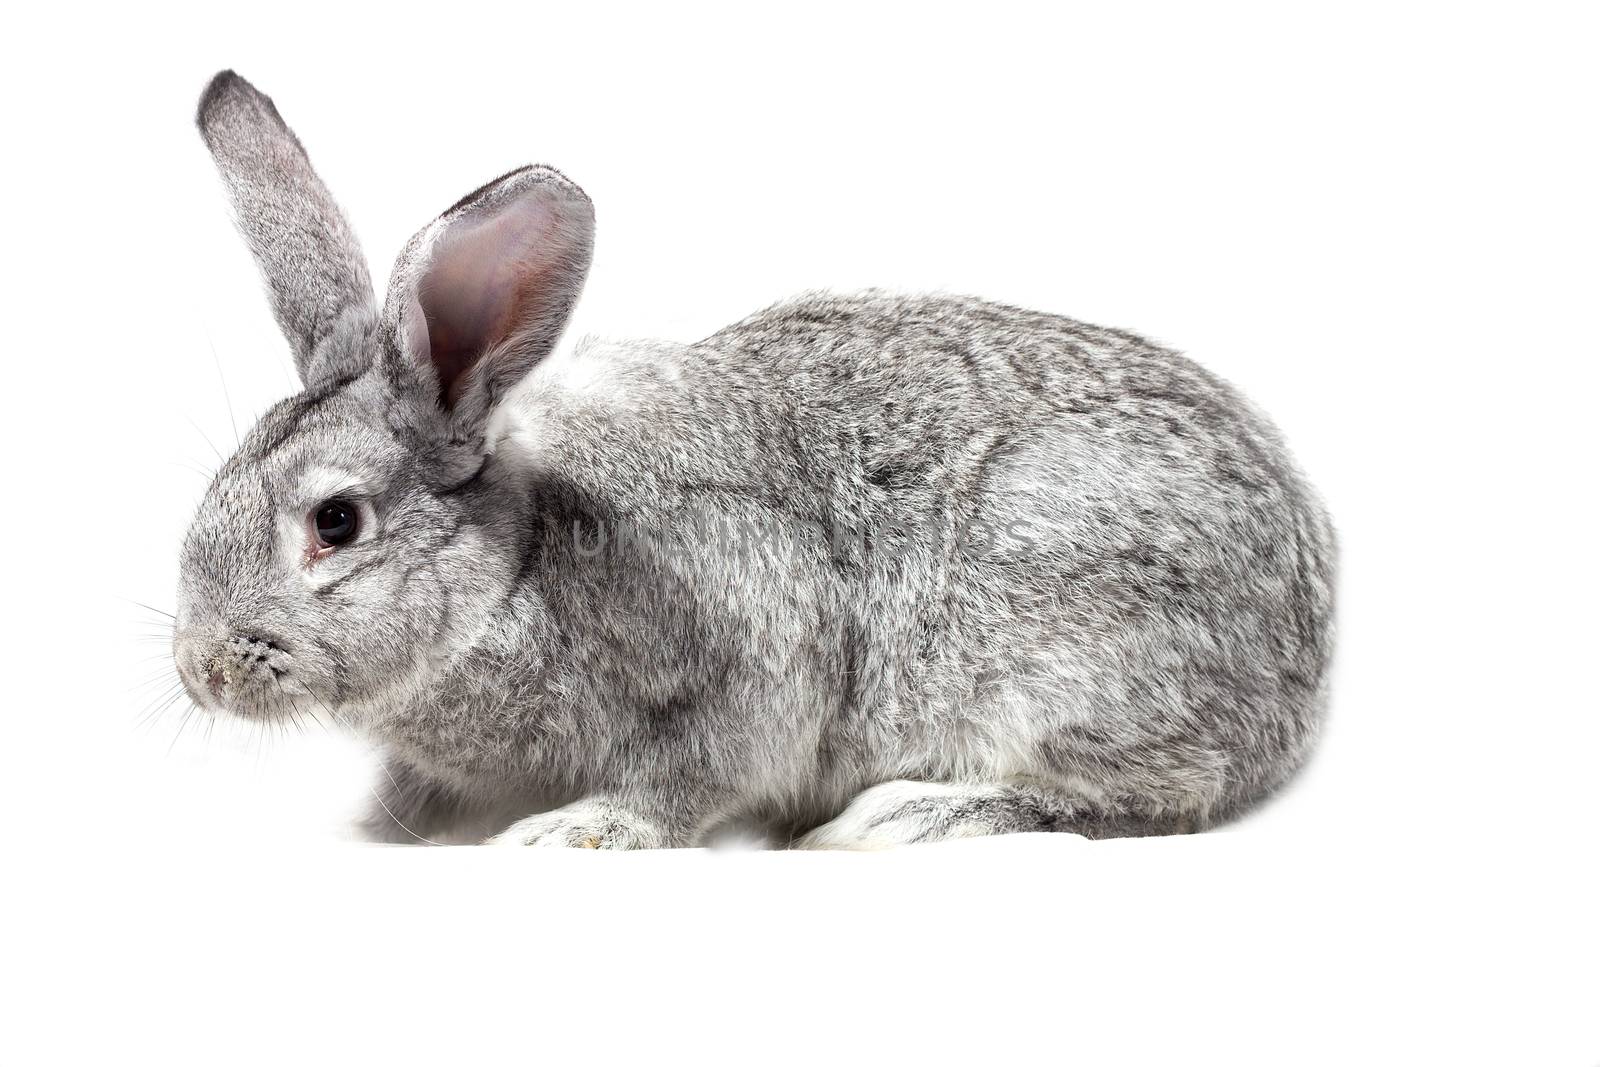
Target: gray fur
1137,642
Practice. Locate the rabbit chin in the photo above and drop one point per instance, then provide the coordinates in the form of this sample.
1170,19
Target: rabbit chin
267,703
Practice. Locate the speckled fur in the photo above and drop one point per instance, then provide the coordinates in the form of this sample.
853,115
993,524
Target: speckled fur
1139,644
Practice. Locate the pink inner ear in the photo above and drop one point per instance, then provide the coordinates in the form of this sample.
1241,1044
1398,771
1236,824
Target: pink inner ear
483,280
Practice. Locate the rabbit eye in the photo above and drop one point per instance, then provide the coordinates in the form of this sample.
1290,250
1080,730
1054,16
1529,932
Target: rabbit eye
335,522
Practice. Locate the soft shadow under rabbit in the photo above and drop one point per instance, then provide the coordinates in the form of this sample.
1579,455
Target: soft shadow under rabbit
860,569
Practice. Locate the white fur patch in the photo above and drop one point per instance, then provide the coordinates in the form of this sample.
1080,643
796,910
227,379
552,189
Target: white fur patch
593,377
319,483
888,815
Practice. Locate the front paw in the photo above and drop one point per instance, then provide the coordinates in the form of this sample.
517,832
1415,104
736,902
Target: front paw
586,824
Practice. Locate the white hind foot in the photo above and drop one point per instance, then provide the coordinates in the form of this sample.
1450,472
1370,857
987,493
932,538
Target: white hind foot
904,813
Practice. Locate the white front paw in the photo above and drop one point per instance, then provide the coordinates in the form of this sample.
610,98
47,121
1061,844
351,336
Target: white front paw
586,824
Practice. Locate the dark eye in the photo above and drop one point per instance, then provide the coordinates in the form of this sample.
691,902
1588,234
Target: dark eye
335,522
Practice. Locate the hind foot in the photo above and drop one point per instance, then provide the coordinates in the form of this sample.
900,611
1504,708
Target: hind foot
905,812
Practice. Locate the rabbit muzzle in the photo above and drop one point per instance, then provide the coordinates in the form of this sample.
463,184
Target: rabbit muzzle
246,674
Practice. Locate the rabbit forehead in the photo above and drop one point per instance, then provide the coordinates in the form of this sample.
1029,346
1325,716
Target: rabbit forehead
305,443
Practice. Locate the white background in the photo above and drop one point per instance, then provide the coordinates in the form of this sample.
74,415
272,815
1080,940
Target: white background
1379,220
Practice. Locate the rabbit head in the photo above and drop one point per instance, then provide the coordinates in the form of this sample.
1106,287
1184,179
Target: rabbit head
355,527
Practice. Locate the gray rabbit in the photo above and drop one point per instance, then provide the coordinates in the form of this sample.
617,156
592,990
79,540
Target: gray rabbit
859,570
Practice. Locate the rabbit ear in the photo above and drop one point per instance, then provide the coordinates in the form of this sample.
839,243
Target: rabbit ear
308,256
481,295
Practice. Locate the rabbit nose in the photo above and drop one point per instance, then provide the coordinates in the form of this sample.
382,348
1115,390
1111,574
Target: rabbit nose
202,664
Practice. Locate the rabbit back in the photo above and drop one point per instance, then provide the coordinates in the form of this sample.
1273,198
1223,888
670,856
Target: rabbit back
875,536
